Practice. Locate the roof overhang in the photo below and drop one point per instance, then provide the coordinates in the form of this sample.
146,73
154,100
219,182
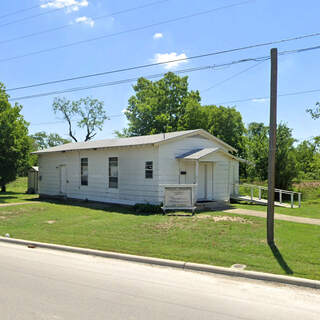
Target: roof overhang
198,154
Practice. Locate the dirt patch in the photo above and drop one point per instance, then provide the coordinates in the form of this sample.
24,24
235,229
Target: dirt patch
186,223
51,221
223,218
168,225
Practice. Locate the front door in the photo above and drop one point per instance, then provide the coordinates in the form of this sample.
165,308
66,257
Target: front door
63,179
205,181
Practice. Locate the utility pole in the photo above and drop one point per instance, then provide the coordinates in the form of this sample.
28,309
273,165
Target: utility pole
272,145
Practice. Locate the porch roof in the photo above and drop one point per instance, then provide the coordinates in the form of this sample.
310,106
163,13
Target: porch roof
197,154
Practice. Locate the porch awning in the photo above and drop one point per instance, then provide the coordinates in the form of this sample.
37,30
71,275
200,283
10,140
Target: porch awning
197,154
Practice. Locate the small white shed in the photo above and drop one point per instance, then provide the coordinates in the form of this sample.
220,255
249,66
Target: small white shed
33,177
132,170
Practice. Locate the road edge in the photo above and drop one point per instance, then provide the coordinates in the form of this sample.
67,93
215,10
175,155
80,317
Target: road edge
255,275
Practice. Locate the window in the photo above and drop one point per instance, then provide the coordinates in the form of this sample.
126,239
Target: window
149,169
113,172
84,171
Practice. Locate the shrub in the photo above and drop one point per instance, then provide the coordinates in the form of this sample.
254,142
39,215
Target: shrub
147,208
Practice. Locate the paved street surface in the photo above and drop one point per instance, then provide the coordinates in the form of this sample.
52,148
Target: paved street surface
44,284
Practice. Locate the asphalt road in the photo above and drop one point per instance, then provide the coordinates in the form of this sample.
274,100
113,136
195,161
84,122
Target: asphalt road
44,284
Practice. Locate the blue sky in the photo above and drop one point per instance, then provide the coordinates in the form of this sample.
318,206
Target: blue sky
245,24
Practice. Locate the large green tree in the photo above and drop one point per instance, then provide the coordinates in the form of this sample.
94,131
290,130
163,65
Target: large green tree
15,144
159,106
168,105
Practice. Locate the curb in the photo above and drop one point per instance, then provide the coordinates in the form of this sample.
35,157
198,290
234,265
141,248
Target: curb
301,282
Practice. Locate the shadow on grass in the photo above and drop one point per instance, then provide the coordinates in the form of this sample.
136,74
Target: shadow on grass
138,210
277,254
10,195
109,207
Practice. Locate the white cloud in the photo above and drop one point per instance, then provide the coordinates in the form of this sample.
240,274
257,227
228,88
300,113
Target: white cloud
158,35
85,20
164,57
70,5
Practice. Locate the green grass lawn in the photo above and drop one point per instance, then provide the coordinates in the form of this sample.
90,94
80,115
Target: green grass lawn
210,237
16,192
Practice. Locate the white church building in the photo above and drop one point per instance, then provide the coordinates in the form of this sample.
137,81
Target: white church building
133,170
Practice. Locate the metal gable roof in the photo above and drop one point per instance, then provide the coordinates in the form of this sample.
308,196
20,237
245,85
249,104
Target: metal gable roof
127,142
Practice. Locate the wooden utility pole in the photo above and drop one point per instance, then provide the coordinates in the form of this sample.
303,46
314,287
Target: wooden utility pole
272,145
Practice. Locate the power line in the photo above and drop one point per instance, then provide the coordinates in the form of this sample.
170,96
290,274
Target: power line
71,44
17,12
31,17
170,61
94,18
120,70
232,77
189,70
256,99
113,83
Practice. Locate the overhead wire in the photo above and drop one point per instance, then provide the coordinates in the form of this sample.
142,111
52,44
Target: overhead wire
108,72
232,77
75,43
18,12
262,99
189,70
29,35
32,16
128,80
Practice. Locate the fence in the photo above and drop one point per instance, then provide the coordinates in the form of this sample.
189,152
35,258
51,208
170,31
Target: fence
281,192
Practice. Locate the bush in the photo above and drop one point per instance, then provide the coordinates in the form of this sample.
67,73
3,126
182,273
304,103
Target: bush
147,208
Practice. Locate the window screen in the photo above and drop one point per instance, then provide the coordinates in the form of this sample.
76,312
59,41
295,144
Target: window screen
84,171
149,169
113,172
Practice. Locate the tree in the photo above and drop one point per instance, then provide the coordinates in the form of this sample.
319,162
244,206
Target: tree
286,169
15,144
307,157
258,146
44,140
168,105
90,112
257,151
159,106
226,124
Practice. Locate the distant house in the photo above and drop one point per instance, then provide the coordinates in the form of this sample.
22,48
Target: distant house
132,170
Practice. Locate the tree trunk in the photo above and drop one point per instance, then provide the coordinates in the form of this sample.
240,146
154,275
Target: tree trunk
3,188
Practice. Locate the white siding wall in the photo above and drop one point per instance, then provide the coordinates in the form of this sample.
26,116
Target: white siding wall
169,165
133,187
